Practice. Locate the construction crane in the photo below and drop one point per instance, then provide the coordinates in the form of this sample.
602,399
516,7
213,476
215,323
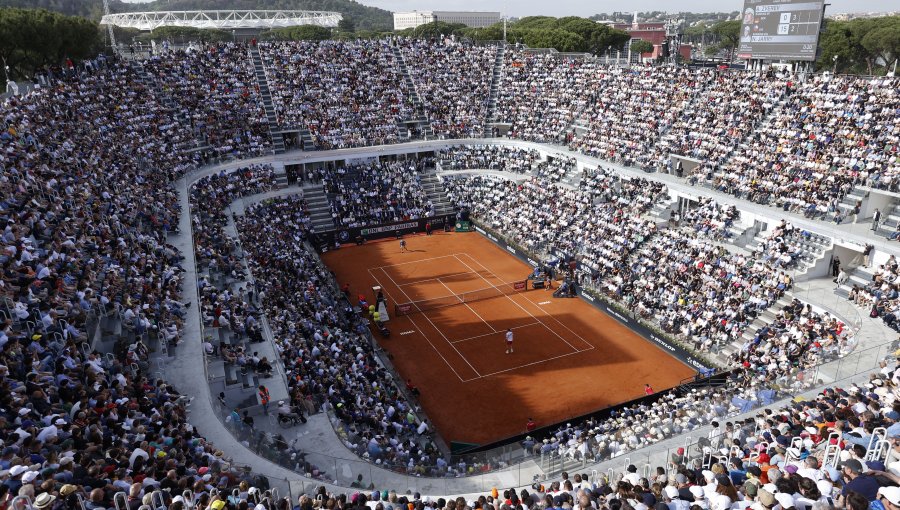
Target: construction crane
112,35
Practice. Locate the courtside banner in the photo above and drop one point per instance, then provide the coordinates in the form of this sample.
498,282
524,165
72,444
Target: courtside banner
674,350
325,241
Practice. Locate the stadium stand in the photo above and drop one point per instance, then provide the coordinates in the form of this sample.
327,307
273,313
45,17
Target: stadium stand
91,287
371,194
347,93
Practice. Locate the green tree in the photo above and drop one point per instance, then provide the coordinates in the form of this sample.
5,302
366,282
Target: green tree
301,33
882,43
31,39
561,40
861,46
183,35
728,34
641,46
434,29
347,24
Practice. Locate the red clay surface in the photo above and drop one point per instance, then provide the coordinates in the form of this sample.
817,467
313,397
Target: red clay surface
569,359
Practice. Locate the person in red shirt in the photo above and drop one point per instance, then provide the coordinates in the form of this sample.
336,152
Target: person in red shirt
530,425
648,389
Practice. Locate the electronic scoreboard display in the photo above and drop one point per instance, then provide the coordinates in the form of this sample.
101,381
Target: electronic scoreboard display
776,30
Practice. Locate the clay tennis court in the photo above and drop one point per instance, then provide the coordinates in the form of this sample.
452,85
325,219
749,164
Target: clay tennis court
569,358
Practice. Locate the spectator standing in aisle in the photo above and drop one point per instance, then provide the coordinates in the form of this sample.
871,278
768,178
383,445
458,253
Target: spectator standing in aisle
264,398
876,219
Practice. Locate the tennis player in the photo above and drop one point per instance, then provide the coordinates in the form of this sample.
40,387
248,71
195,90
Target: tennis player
403,245
509,341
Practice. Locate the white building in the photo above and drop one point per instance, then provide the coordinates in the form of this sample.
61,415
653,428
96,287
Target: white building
412,19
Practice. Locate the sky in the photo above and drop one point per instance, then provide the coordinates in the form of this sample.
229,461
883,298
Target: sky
520,8
586,8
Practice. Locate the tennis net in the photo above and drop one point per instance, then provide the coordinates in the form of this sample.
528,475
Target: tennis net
501,289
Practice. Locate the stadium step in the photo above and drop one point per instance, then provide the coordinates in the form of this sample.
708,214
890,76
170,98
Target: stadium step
496,81
419,118
266,98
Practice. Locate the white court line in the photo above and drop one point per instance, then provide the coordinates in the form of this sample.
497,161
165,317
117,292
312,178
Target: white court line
514,301
590,345
413,262
431,279
435,327
467,306
495,332
526,364
420,330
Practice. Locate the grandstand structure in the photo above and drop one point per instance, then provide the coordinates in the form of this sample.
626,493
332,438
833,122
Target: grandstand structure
222,19
251,178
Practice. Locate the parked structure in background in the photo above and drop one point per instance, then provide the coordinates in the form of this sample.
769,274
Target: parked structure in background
412,19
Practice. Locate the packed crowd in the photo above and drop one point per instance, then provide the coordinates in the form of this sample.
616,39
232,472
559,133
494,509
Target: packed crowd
322,340
218,254
725,112
454,81
709,218
488,157
629,109
541,216
76,249
216,87
375,193
829,134
540,95
556,167
696,289
77,155
773,460
635,194
347,93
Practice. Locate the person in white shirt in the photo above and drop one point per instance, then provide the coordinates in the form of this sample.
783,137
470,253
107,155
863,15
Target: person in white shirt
632,475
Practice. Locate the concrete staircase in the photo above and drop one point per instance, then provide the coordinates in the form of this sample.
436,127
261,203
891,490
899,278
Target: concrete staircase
434,189
496,81
661,210
814,249
420,118
307,140
889,222
266,96
764,319
319,210
850,200
859,276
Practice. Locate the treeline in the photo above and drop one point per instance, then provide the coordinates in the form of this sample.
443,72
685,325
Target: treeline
860,46
569,34
33,39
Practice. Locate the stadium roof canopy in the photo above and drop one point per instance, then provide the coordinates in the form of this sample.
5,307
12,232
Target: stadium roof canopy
223,20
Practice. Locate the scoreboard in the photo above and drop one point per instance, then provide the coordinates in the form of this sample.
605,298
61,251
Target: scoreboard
775,30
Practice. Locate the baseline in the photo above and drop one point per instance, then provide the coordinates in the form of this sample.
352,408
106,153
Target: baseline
517,303
427,339
432,325
548,314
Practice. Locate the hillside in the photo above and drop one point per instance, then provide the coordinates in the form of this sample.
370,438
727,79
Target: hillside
366,18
